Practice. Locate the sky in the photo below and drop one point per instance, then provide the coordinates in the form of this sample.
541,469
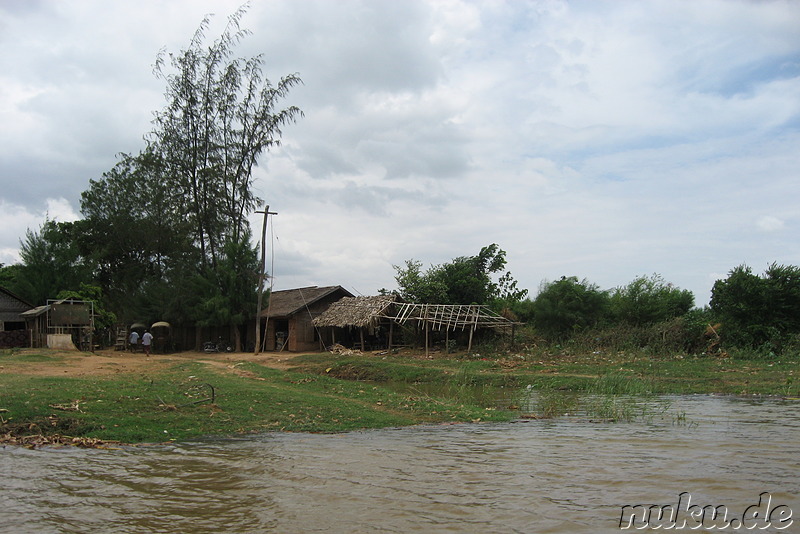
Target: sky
605,140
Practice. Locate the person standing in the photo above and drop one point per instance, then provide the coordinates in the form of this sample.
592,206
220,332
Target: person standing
133,340
147,339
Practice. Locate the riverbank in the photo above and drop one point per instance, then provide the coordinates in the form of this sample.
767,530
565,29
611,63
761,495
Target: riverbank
102,398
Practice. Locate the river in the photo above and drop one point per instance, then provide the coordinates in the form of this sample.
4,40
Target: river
566,475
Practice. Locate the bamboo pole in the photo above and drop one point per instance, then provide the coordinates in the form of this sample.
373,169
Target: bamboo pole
425,321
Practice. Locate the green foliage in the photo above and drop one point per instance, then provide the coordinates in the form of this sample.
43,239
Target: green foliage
649,300
567,306
168,228
220,116
758,312
103,317
134,228
228,294
51,262
10,276
464,280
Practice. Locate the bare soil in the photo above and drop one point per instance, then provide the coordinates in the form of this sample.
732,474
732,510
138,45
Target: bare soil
110,362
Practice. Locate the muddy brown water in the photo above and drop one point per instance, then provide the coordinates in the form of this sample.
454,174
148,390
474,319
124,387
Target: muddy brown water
563,475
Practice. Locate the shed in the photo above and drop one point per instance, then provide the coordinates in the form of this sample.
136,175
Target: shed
13,332
65,323
289,315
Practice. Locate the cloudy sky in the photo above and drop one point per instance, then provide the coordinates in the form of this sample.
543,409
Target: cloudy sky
600,139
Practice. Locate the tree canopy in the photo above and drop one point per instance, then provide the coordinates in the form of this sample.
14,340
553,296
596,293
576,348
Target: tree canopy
167,228
464,280
568,305
649,300
760,312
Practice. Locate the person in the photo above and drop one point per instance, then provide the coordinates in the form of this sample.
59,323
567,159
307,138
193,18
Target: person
133,340
147,339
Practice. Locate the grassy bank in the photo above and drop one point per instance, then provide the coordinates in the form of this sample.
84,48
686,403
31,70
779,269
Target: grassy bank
330,393
192,399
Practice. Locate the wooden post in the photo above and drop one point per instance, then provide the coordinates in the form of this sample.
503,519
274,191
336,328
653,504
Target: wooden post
425,320
266,213
472,330
391,331
361,334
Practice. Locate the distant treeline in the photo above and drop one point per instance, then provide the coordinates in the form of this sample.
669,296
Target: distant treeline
759,314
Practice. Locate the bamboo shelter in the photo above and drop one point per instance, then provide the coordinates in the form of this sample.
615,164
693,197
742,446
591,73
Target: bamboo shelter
369,312
366,314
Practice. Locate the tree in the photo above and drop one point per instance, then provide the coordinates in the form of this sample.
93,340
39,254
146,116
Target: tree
220,116
567,306
232,299
134,229
760,312
10,276
51,262
168,227
464,280
649,300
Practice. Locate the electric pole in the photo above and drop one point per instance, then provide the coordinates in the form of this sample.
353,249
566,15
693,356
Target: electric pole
261,275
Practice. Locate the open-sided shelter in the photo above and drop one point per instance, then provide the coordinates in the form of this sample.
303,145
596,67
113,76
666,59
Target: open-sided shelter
368,312
368,316
290,313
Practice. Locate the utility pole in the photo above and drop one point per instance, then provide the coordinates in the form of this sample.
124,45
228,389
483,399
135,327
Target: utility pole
266,213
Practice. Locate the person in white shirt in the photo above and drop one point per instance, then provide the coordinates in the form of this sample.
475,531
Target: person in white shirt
133,340
147,339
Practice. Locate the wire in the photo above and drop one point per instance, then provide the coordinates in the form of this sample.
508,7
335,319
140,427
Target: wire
271,230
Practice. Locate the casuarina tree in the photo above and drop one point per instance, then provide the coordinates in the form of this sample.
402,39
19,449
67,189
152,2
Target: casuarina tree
189,193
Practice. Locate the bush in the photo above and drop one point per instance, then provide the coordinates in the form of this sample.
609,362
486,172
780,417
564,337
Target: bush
568,306
759,312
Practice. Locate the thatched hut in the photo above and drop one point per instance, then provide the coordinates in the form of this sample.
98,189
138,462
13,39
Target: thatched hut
370,317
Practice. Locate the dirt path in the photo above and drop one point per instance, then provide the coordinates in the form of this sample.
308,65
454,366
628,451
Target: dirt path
48,362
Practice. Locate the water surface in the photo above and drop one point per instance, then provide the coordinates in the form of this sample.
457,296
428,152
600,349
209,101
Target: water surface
538,476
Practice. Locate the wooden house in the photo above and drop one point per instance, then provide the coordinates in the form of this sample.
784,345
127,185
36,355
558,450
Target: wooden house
288,317
13,332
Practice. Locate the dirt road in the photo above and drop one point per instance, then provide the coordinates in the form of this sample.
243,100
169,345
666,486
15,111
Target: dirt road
110,362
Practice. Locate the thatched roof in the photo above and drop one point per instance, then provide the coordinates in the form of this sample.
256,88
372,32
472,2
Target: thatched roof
289,301
355,311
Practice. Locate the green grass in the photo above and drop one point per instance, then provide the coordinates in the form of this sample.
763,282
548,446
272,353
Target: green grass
329,393
178,405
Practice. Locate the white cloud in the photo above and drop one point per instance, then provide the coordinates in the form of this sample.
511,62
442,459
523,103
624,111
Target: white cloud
769,223
600,139
16,220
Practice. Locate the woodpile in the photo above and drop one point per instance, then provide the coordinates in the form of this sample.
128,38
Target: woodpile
344,351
